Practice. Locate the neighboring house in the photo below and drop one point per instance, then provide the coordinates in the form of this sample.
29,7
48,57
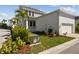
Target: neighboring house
76,20
58,21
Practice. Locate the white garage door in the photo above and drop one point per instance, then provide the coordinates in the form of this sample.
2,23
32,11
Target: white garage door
67,29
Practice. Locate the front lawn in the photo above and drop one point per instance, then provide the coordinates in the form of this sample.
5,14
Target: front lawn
48,42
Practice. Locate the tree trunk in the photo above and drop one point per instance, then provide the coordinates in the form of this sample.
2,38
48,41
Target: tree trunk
26,24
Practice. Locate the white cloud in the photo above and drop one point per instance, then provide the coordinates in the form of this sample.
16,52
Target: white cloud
71,10
54,5
3,14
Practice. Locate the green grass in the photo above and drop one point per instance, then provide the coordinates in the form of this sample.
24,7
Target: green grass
48,42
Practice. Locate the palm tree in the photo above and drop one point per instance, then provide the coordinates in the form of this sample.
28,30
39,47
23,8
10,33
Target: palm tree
3,21
16,20
22,15
12,21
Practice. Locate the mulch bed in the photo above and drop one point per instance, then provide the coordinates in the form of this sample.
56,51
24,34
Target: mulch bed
24,49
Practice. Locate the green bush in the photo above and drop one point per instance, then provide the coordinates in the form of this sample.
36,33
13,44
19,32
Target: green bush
77,28
8,47
19,31
19,42
11,46
3,25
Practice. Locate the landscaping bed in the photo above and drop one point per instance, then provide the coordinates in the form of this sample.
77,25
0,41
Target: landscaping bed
48,42
20,42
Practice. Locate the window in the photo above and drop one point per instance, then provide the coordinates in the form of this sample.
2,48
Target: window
32,13
29,13
32,23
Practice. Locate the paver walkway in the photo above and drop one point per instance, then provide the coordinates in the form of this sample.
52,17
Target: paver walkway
4,33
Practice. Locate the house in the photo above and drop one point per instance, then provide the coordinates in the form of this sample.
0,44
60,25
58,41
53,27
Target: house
58,21
32,13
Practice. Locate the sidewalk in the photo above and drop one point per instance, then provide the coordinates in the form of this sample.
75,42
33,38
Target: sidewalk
61,47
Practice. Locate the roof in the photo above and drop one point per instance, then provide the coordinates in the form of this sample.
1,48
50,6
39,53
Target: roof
67,12
58,10
32,9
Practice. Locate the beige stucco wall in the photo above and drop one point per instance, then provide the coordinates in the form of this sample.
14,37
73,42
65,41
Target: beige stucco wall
54,21
47,21
37,15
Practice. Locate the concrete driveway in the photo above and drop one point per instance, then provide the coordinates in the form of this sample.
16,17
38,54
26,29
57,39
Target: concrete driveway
75,35
4,33
73,49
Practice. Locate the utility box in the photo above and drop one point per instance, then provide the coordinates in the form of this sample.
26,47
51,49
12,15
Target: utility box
34,38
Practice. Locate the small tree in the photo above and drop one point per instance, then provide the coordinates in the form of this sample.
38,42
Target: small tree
22,15
3,21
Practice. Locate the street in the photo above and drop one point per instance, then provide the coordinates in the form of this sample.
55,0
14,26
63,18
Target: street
4,33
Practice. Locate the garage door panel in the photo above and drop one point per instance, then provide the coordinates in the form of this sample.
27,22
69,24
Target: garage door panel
66,29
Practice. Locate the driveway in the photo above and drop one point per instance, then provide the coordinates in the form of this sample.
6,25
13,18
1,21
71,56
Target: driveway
73,49
75,35
4,33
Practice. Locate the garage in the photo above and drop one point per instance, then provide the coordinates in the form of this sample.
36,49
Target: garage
67,28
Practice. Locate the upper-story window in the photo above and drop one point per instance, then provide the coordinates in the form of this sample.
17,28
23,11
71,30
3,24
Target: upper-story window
32,13
29,13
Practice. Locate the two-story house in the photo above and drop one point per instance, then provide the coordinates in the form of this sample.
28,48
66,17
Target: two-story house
32,13
60,21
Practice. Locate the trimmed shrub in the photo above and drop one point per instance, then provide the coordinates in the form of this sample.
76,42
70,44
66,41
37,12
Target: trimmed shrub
19,31
19,42
11,46
8,47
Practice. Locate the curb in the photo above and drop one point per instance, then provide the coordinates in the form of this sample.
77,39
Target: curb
60,48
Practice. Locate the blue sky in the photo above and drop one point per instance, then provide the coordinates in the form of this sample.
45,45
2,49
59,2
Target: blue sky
8,11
